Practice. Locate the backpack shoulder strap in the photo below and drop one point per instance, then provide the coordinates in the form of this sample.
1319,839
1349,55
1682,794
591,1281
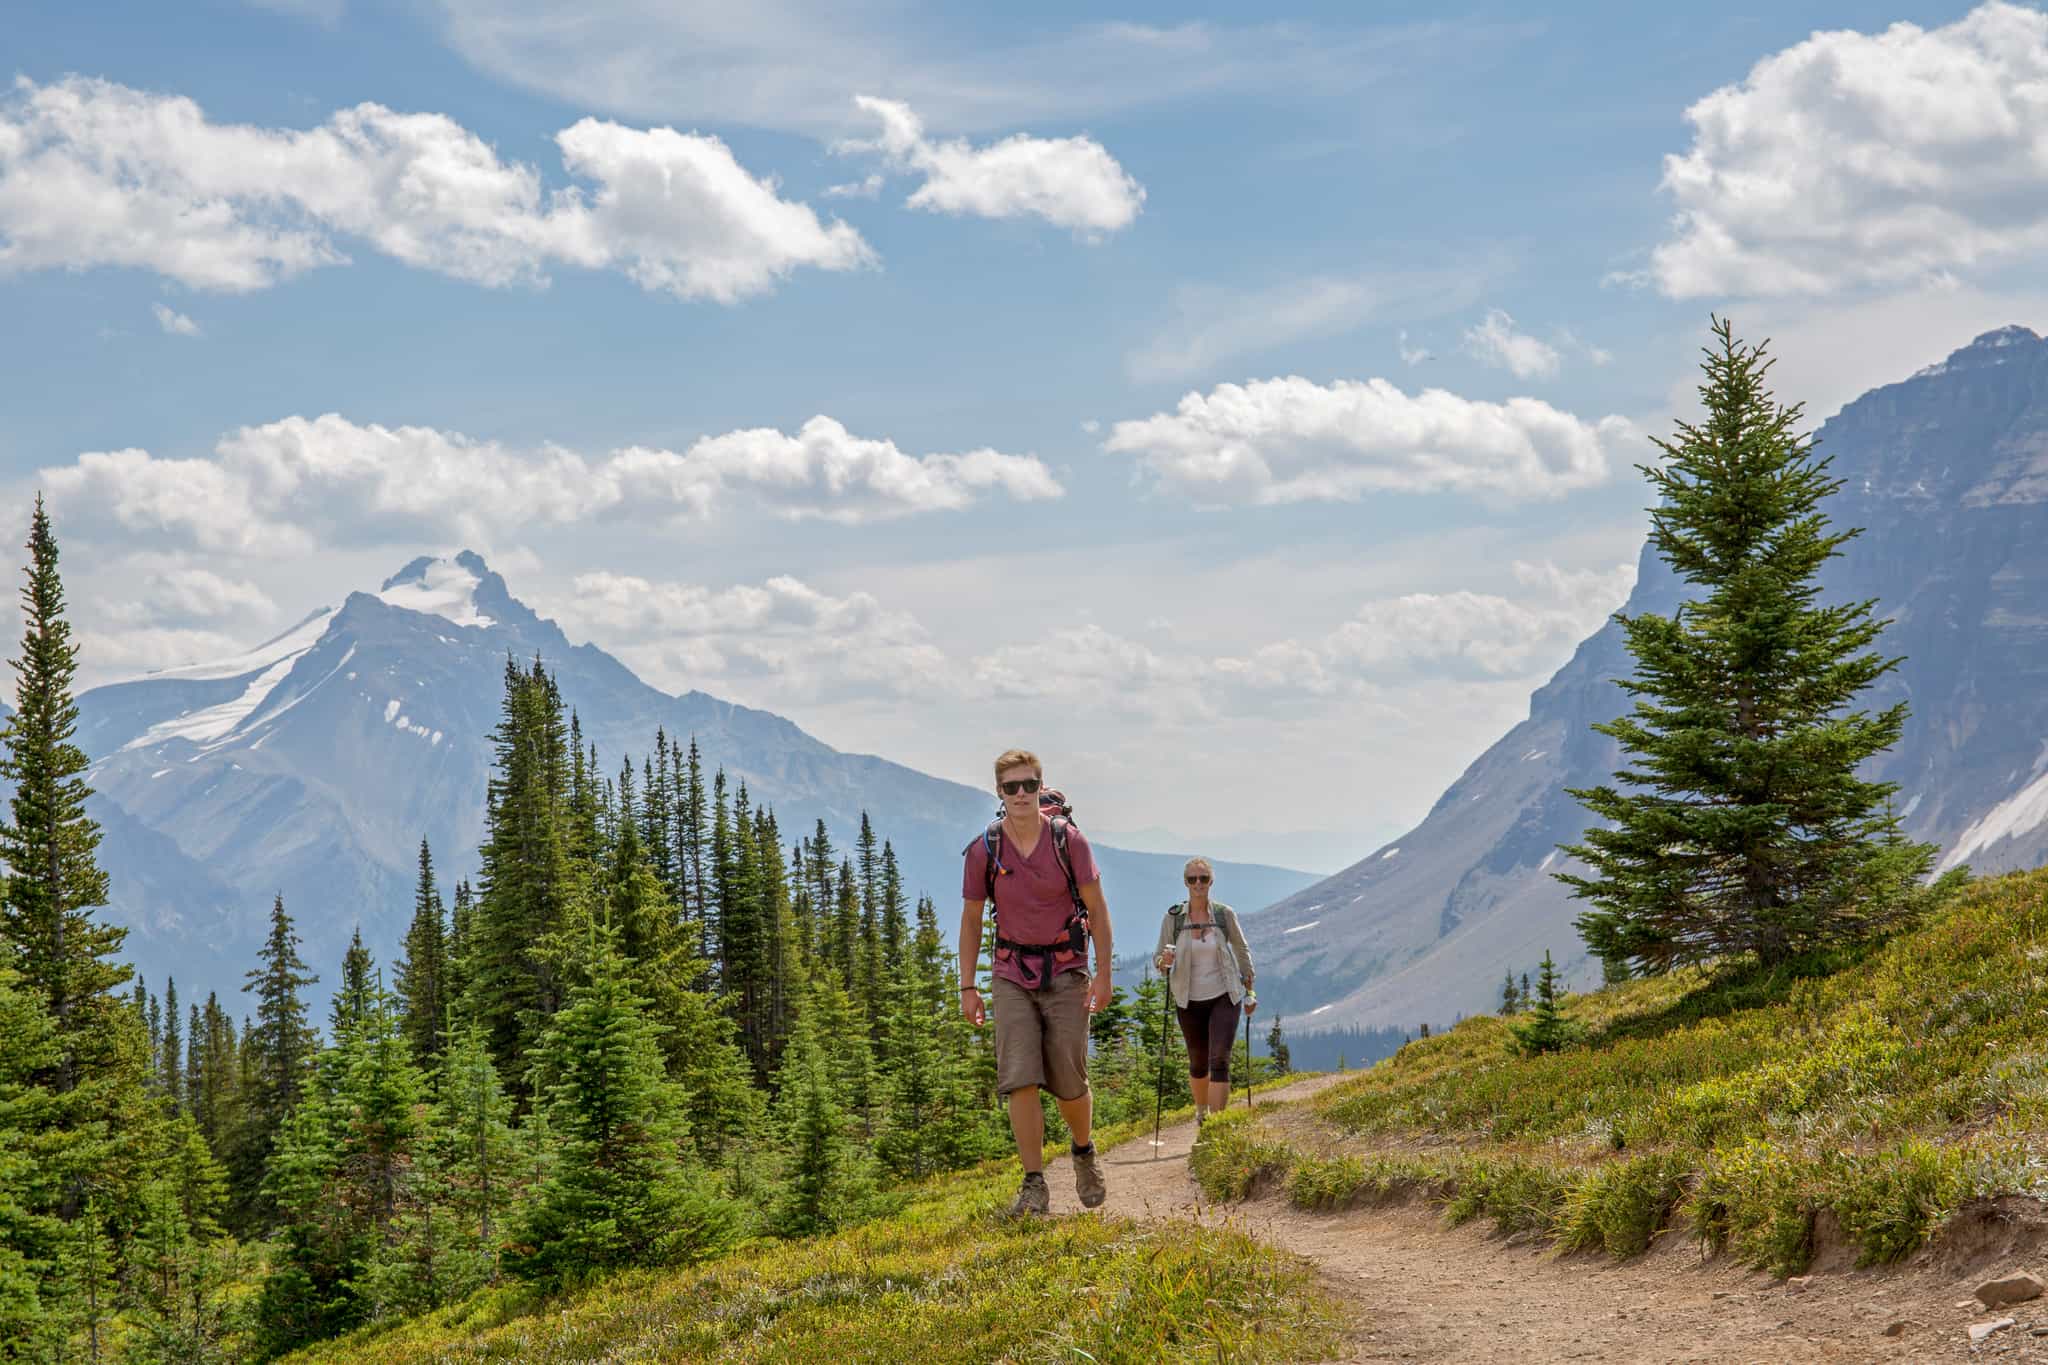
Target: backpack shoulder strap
1059,850
992,845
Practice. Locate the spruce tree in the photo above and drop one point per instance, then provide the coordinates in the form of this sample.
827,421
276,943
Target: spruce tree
1745,827
280,1046
1277,1050
217,1093
445,1239
352,996
1509,1000
322,1244
895,916
618,1193
827,1179
64,952
173,1066
657,809
1546,1029
468,1177
422,973
31,1236
530,882
461,914
692,838
195,1058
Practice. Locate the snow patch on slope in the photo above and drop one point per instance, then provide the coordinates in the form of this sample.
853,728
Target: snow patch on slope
216,722
445,589
277,649
2018,813
394,716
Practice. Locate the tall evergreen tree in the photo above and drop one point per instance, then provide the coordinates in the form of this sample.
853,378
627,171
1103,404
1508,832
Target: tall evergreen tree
445,1240
845,926
173,1070
352,996
1510,1001
718,853
280,1045
216,1092
422,973
895,916
63,951
691,840
827,1178
618,1194
530,882
461,914
657,807
31,1236
1277,1050
1746,829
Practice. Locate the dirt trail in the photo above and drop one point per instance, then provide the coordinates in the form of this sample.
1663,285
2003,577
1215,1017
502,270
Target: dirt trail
1427,1293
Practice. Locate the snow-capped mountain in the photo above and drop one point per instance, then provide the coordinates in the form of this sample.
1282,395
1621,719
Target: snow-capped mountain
1947,472
313,764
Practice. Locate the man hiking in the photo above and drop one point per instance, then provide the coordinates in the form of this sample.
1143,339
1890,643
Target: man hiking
1041,875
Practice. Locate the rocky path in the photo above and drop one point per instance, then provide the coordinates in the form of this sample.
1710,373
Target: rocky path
1427,1293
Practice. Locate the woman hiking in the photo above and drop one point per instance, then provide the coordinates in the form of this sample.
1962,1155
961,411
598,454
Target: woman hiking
1209,972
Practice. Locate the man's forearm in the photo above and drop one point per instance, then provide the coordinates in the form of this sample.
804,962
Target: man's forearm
970,944
1098,926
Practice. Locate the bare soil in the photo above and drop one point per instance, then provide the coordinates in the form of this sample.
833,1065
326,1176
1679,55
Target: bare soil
1424,1292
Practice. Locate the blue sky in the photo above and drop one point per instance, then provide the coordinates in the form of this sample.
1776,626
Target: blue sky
1309,349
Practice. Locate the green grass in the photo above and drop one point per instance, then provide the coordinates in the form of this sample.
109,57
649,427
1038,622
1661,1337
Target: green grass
1887,1086
948,1278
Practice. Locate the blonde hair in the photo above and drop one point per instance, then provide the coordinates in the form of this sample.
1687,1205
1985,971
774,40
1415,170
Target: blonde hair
1018,758
1196,862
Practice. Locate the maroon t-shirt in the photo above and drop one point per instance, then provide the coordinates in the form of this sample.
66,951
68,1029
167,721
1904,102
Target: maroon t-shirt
1032,904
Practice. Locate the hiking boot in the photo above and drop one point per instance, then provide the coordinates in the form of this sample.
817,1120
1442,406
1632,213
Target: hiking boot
1034,1197
1088,1182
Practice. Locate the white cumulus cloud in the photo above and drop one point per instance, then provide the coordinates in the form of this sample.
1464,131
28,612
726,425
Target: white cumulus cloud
287,486
1457,635
1292,440
98,174
1495,342
784,634
1071,182
1854,159
173,322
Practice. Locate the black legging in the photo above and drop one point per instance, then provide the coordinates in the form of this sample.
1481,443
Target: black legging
1210,1026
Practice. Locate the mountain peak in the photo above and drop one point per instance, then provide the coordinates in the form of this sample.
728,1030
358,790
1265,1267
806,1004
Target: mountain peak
442,586
1994,347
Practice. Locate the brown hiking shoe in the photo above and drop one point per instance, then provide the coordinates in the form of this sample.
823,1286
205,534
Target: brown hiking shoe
1088,1181
1034,1197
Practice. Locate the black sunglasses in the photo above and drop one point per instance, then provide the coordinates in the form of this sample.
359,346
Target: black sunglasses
1198,881
1028,786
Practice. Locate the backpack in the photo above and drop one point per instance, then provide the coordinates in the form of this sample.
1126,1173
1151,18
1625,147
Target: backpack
1060,818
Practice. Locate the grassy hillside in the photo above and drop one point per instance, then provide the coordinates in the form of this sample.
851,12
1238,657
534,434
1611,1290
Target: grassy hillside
949,1278
1878,1090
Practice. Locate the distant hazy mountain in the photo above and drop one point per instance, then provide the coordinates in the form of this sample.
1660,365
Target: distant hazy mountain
1948,474
1316,850
313,764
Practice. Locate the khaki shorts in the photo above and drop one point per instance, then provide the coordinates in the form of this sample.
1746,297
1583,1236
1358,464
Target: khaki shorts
1042,1036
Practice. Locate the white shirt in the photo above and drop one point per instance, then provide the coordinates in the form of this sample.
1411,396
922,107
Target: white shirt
1208,976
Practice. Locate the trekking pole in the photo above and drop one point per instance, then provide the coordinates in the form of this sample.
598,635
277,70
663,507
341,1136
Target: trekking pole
1159,1093
1250,1076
